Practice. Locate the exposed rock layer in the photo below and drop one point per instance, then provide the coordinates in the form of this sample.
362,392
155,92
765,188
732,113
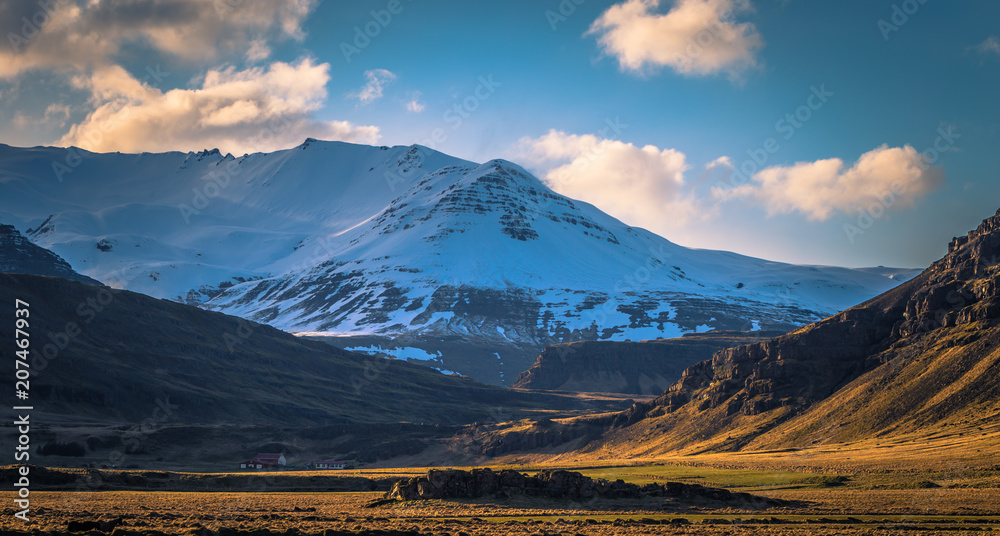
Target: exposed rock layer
641,368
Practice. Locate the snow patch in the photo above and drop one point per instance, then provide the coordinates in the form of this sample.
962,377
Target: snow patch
403,352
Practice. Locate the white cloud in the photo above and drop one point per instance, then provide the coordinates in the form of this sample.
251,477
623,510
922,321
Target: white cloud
372,90
266,106
642,186
57,113
990,46
257,109
695,37
894,176
258,51
720,162
87,35
414,105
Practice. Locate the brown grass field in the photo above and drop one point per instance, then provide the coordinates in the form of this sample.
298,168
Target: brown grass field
832,512
878,494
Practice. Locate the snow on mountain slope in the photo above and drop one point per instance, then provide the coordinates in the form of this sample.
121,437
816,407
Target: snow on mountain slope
465,230
164,224
390,245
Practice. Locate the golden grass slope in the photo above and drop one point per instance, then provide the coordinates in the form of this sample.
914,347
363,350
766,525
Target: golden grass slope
920,364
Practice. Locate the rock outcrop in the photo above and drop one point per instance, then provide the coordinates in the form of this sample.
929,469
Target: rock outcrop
555,484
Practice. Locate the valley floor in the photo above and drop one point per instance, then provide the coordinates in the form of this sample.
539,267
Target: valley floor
922,500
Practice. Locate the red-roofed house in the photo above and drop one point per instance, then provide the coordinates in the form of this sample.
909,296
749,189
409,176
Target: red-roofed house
264,461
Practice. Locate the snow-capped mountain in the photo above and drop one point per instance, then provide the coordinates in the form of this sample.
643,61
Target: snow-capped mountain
399,250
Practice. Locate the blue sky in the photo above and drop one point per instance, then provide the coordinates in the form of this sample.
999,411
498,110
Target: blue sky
643,108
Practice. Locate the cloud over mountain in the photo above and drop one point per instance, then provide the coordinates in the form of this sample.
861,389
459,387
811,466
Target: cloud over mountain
694,38
251,110
86,45
891,176
642,186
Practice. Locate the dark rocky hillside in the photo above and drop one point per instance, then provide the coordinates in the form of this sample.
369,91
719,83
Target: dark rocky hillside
128,350
105,362
18,255
921,358
640,368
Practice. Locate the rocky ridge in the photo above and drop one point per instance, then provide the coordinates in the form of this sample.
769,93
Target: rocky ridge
920,349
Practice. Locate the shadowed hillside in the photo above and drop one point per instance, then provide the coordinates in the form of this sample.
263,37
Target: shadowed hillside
19,255
104,361
133,349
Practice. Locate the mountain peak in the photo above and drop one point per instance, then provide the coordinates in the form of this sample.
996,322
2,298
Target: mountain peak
499,171
307,142
501,163
987,235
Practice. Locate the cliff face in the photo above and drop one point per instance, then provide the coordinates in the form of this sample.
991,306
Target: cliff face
925,354
797,369
640,368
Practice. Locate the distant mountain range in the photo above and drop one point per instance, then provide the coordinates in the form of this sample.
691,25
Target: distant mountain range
399,251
